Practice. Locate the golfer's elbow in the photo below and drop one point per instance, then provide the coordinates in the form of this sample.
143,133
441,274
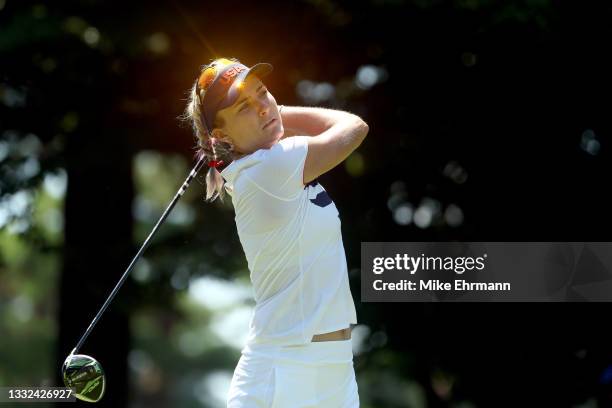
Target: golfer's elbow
361,130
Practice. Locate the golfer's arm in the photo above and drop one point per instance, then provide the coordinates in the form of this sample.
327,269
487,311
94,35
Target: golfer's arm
306,120
335,135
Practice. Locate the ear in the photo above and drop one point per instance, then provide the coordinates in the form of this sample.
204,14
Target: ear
218,134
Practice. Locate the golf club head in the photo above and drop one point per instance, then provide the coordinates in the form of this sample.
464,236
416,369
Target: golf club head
85,374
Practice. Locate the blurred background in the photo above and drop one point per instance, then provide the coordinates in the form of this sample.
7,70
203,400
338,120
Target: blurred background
489,121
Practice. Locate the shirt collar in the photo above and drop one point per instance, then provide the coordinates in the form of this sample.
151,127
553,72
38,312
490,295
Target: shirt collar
230,173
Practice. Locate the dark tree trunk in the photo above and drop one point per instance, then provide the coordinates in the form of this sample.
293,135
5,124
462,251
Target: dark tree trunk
98,248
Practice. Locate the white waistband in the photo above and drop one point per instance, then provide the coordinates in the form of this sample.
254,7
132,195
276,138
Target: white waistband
323,352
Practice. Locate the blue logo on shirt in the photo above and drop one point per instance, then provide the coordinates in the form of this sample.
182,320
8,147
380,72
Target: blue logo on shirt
322,199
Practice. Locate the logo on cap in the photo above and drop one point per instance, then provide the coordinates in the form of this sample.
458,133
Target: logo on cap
229,75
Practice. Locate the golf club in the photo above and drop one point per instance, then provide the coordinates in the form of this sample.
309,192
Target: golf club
84,373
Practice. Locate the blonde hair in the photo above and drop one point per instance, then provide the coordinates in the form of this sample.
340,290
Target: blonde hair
206,145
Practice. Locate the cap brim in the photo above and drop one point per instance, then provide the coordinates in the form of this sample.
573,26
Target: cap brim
260,70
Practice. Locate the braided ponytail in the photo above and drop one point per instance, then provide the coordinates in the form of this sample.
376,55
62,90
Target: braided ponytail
216,152
214,180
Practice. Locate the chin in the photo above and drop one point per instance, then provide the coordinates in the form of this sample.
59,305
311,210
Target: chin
277,134
273,136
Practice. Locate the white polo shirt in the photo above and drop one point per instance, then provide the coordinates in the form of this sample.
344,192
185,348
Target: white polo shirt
291,237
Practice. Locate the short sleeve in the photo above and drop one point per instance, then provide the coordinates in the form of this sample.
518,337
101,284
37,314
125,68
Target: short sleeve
280,173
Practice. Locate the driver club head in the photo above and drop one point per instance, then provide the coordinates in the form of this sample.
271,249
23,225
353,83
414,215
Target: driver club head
85,374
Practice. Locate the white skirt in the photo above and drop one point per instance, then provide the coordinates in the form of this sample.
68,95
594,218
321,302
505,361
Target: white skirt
318,374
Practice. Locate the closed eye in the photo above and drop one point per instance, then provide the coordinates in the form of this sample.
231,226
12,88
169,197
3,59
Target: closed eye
246,105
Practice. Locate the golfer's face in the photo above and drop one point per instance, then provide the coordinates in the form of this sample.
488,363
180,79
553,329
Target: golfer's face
253,121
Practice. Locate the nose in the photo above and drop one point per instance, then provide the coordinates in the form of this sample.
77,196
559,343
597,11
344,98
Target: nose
263,109
261,106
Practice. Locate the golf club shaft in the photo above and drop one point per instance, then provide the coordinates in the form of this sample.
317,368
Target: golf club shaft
144,246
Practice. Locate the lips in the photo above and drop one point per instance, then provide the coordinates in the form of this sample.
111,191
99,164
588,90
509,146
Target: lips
271,121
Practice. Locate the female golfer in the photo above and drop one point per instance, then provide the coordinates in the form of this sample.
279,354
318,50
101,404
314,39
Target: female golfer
298,352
